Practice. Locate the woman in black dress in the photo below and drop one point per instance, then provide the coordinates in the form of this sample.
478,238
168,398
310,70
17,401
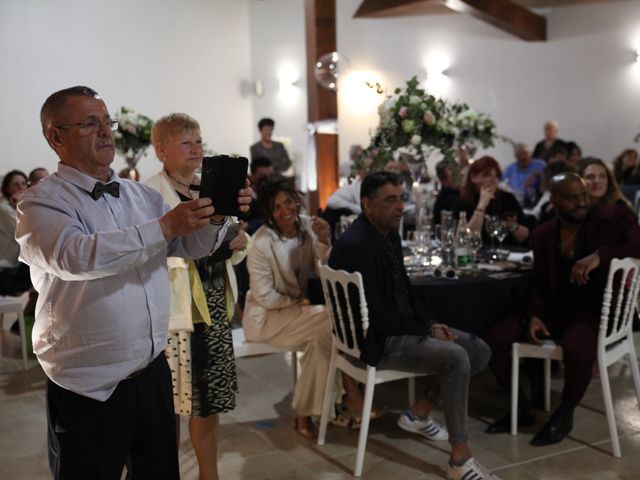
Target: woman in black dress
481,197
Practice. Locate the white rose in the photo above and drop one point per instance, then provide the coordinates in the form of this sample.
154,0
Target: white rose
416,140
386,106
384,111
414,100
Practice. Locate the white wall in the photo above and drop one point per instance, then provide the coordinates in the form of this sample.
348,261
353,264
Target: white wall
278,49
155,56
158,56
584,75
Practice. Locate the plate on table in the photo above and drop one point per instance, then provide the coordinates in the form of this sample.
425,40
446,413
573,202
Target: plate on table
491,267
501,266
417,270
523,258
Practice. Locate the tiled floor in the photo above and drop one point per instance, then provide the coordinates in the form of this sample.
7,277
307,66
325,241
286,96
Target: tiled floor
257,441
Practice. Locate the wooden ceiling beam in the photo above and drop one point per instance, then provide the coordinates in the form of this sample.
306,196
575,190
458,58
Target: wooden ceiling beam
507,15
395,8
504,14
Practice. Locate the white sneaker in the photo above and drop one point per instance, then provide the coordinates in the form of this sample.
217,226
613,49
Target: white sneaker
470,470
428,427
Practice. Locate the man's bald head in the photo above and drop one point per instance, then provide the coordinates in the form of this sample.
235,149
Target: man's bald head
561,180
569,196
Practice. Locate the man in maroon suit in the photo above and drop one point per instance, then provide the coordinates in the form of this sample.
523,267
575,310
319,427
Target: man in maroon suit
572,253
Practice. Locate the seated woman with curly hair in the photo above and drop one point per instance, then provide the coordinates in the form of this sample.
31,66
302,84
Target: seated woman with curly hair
285,252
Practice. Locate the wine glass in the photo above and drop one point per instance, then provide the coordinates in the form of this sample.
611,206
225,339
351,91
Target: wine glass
491,226
475,242
501,234
437,236
412,243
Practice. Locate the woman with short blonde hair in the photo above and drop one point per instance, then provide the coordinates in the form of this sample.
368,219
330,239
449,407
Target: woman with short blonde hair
203,296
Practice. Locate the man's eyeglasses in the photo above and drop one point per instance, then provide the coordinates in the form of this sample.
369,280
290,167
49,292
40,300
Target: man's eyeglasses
91,126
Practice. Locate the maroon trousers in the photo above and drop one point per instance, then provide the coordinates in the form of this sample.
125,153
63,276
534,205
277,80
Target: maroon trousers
577,334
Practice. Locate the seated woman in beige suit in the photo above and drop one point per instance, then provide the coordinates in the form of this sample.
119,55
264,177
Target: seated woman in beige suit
285,250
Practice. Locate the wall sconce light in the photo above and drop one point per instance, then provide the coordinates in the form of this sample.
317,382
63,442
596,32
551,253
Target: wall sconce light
249,87
258,87
362,91
288,80
437,81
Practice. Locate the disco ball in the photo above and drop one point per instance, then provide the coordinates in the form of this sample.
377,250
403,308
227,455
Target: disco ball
329,70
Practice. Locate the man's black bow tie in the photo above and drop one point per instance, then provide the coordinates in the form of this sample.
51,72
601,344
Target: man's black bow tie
112,188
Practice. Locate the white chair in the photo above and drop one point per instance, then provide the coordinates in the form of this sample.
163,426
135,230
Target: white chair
243,348
615,340
548,351
14,305
339,287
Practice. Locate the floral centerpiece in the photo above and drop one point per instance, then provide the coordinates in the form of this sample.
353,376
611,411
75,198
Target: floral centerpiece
133,135
414,125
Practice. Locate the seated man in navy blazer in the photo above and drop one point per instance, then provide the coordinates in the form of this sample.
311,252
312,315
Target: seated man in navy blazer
571,253
401,335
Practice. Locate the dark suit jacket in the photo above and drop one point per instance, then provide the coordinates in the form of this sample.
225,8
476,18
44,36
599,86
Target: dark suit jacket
445,200
360,249
612,230
543,153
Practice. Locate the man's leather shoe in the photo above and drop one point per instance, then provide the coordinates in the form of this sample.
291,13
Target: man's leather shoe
556,428
503,425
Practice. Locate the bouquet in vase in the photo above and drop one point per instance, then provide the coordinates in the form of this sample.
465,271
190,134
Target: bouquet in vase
133,135
414,125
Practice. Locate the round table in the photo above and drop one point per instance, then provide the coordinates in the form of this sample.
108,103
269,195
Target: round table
473,303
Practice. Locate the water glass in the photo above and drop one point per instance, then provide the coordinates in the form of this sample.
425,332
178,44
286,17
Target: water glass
448,242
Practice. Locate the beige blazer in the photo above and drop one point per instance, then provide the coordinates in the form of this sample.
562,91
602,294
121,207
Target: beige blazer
273,283
180,317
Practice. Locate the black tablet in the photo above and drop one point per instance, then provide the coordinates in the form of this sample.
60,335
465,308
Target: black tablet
222,177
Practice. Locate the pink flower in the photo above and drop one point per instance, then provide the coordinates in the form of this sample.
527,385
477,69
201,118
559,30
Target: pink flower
132,129
429,118
368,161
403,112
